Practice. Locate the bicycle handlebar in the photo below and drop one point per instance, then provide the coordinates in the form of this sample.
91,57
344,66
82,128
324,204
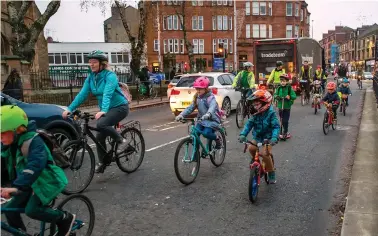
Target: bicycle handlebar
82,115
265,142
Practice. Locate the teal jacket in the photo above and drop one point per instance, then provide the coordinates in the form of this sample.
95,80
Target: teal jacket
104,86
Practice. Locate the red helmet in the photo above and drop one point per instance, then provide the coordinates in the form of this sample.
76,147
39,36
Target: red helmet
285,77
201,82
264,96
331,85
319,66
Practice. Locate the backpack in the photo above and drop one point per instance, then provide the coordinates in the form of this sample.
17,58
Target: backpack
125,91
221,114
59,156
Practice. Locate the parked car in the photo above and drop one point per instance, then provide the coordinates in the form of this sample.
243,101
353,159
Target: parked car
367,75
46,116
220,84
172,84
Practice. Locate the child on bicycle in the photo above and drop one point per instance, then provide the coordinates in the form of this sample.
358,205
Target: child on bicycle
207,106
345,90
284,96
36,179
317,90
332,98
265,125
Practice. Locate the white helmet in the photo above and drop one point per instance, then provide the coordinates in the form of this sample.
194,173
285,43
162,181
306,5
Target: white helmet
247,64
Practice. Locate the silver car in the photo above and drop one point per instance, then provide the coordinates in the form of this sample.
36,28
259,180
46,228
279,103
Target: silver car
367,75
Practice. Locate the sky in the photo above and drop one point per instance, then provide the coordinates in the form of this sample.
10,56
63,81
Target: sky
72,24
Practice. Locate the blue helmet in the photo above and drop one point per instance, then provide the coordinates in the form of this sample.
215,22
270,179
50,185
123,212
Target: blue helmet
345,80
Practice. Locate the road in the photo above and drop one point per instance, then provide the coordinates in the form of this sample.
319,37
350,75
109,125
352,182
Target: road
312,171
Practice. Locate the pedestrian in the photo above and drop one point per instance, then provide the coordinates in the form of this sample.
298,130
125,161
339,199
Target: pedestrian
13,86
144,77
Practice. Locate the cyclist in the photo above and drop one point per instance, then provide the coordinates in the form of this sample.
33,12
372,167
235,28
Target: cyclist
286,93
341,71
317,91
114,107
207,106
320,75
245,79
36,178
332,98
276,73
305,76
345,90
264,125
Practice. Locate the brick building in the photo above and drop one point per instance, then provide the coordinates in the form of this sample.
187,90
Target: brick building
209,23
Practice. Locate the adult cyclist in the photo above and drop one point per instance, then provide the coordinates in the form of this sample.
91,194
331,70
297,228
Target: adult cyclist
103,84
274,76
341,71
245,80
320,75
305,78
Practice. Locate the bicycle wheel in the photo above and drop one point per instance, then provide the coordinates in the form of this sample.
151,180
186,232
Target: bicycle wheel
253,185
135,147
302,99
316,105
344,109
194,165
82,225
240,114
325,123
334,124
218,156
81,157
153,92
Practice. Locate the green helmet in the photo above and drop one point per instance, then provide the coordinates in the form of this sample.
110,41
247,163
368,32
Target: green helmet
12,117
99,55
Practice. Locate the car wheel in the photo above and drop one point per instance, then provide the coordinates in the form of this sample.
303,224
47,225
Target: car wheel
226,106
61,135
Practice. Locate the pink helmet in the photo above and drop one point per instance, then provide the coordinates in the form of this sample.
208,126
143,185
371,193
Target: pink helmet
201,82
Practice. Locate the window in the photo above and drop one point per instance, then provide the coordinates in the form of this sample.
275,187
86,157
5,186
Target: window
176,46
296,9
230,2
263,8
270,9
255,8
181,22
247,31
201,46
219,2
247,8
225,26
195,46
51,58
301,14
230,45
224,2
270,31
170,45
169,22
289,31
175,22
308,19
230,23
64,58
214,23
194,23
119,57
296,31
289,9
262,31
256,31
156,45
214,45
213,2
194,3
58,60
200,2
225,44
219,22
75,58
85,56
165,46
200,23
182,46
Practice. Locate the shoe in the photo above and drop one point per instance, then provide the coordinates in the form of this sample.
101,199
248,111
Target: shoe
272,177
281,136
65,225
288,135
100,168
218,144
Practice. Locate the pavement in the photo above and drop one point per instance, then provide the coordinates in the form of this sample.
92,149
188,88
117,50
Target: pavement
312,170
361,213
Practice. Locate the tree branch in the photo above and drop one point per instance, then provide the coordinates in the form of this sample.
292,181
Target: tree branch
142,26
24,8
12,13
124,22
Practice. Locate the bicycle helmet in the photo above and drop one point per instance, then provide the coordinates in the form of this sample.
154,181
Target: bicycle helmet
279,63
247,64
201,82
264,97
12,117
331,86
317,82
99,55
284,77
345,80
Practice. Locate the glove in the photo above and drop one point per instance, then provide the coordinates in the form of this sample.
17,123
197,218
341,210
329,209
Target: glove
179,118
242,139
206,116
273,141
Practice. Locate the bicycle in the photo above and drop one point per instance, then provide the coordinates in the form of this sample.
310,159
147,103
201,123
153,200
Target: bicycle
305,97
316,102
142,89
195,142
359,83
328,119
257,169
81,145
242,110
343,103
78,226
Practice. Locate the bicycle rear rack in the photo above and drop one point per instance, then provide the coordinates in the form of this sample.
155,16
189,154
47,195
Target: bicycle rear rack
131,124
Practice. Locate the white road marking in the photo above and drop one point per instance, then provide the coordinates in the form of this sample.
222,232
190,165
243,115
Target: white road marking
172,127
165,144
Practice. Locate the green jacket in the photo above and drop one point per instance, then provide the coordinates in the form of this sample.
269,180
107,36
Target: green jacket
283,91
251,79
47,182
275,76
310,75
319,74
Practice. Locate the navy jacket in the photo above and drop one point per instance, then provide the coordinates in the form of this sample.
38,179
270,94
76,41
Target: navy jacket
332,98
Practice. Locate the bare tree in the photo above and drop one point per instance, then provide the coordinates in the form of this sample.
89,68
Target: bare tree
137,43
24,37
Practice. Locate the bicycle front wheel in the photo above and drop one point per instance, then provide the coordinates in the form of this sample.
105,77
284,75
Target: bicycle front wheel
133,152
302,99
218,155
81,171
253,185
84,211
325,124
344,109
240,114
183,155
153,92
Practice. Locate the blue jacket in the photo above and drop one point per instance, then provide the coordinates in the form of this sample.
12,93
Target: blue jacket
265,126
344,90
204,107
332,98
104,86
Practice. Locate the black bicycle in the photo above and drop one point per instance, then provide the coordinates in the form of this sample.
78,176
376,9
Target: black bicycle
242,110
130,131
305,95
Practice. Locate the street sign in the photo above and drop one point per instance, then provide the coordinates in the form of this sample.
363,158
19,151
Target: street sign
218,64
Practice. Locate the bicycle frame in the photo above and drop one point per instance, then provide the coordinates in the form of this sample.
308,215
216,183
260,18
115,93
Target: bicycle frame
256,162
330,114
194,134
